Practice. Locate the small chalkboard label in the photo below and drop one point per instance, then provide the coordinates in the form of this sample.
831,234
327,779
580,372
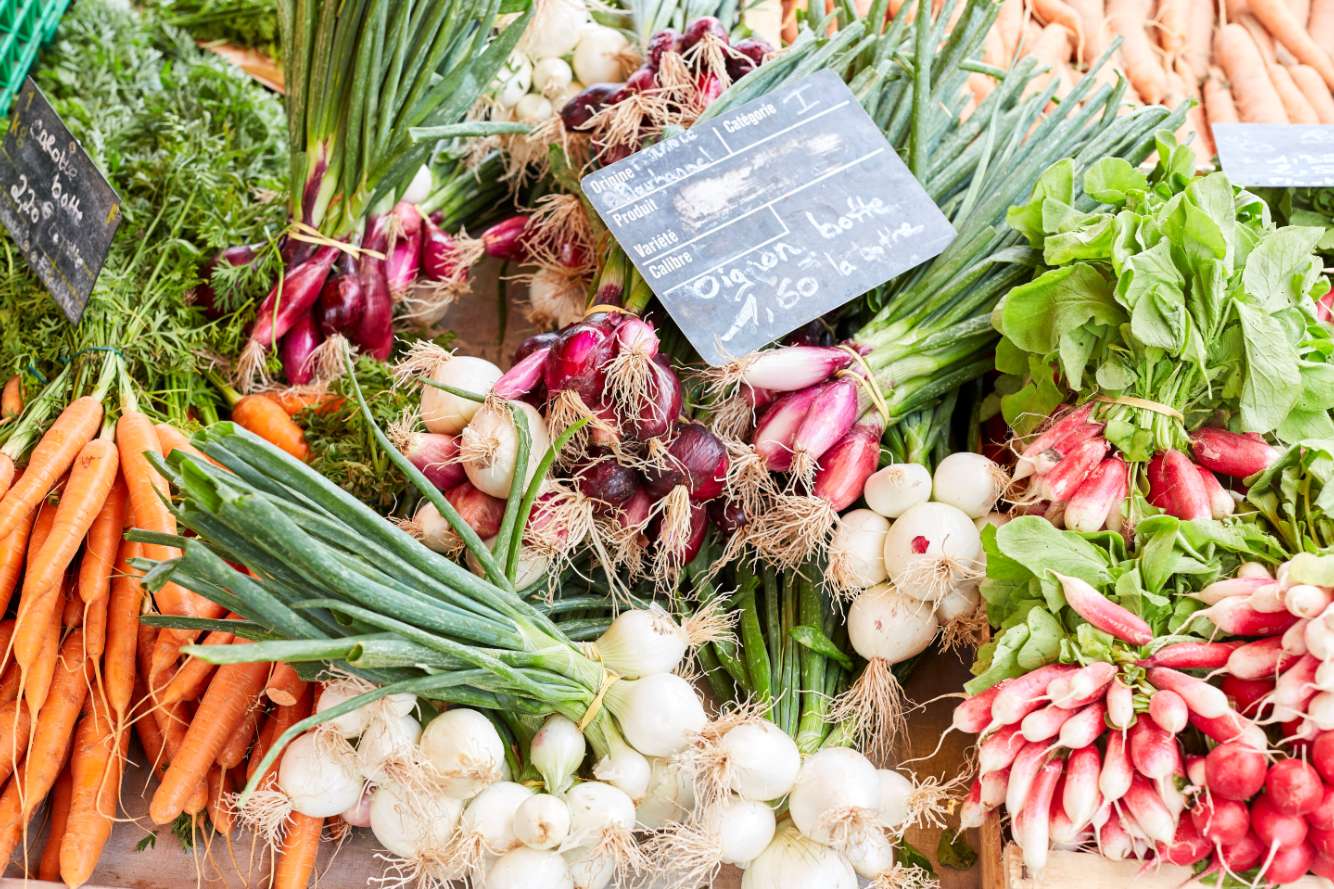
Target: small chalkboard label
1277,155
54,201
751,224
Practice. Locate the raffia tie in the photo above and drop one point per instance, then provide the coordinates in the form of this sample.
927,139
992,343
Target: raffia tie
1143,404
867,380
300,231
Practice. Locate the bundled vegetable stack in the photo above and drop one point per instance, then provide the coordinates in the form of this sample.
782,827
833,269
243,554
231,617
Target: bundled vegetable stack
1179,320
358,137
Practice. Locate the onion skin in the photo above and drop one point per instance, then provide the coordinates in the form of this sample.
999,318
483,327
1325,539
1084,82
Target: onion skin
533,343
404,260
524,376
666,40
662,406
609,483
697,29
480,510
300,288
504,240
375,332
576,360
295,349
435,455
778,425
698,460
846,466
439,254
341,303
577,112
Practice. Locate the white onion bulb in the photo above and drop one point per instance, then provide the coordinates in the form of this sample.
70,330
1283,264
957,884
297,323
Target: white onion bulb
465,750
320,780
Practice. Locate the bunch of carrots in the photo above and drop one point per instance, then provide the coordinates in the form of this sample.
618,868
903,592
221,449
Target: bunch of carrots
80,672
1240,61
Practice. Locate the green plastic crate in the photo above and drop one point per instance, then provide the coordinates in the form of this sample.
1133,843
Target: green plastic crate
24,26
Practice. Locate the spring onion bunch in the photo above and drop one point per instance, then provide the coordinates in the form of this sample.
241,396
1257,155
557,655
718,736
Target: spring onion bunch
361,78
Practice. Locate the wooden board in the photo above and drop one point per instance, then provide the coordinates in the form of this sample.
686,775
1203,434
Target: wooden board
1089,871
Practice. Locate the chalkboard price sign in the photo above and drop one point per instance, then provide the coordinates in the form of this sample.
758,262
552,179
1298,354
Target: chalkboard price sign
752,223
1278,155
55,203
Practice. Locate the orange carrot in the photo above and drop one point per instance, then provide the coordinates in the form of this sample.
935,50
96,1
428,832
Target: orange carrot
221,712
71,608
15,728
1058,12
1264,41
1278,19
41,527
149,734
192,678
95,767
1172,22
278,721
1127,19
1252,91
173,439
1199,39
238,745
124,603
1010,26
1093,25
1295,105
1313,87
48,866
285,686
13,549
95,626
301,845
220,787
103,543
295,400
52,457
10,680
50,738
39,675
11,400
1218,105
1050,49
264,417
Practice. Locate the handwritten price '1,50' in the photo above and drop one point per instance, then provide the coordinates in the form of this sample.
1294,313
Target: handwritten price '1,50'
28,204
741,281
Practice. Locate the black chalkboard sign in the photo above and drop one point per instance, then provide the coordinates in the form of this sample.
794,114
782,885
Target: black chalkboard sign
54,201
1278,155
755,222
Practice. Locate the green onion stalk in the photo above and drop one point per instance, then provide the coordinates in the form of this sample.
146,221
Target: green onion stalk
320,580
373,86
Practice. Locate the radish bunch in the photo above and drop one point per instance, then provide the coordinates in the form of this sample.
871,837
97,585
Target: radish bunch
1073,477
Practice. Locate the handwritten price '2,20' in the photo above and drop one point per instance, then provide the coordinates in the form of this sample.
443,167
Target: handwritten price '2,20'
737,283
26,200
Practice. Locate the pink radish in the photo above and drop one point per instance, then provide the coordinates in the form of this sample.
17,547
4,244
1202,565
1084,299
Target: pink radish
1032,831
1022,774
1068,425
1294,688
1320,712
1234,617
1187,846
1230,453
1294,787
1246,694
1322,841
1085,726
1254,570
1200,696
1294,638
1261,659
1024,694
1225,821
1221,504
1168,710
1146,807
1235,770
1113,841
1306,600
1081,687
1192,655
1066,477
1288,864
1319,635
1120,705
1114,779
999,749
994,785
1079,795
973,715
1195,769
1103,613
1182,492
1232,586
1244,854
1096,497
1063,831
1275,829
1324,676
1267,599
971,812
1045,723
1322,865
1152,750
1322,756
1231,727
1322,816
